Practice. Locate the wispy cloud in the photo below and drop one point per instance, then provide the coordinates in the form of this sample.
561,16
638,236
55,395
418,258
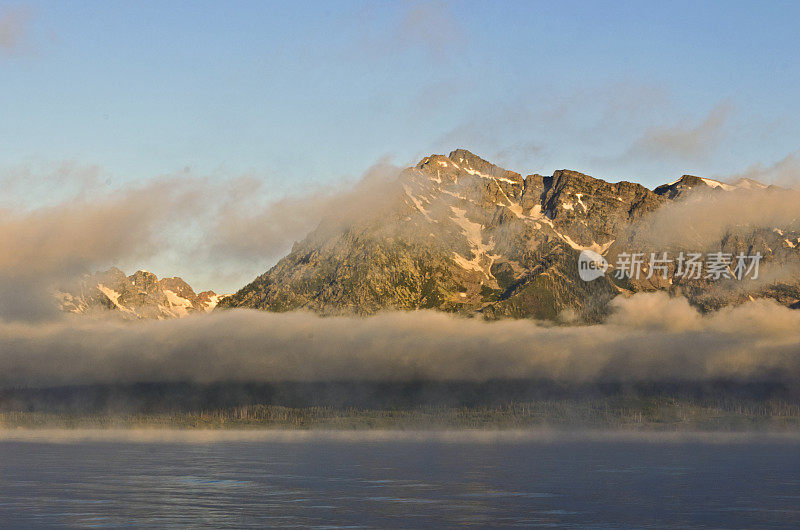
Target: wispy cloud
546,118
14,28
52,244
684,141
430,27
245,226
784,172
705,219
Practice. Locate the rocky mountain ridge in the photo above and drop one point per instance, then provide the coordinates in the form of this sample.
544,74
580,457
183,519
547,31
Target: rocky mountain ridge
138,296
459,234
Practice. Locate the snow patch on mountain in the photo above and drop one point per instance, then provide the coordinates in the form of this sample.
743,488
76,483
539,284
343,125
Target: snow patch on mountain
717,184
110,293
474,234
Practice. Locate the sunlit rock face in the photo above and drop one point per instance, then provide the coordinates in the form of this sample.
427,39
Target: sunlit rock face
141,295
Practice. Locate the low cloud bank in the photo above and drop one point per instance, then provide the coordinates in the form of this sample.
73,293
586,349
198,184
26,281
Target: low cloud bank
705,219
648,337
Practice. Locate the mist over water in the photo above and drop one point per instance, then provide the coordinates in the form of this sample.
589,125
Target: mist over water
458,436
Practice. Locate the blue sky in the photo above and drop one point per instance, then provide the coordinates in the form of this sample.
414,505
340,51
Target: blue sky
319,91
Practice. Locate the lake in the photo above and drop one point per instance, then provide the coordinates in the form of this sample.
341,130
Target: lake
398,479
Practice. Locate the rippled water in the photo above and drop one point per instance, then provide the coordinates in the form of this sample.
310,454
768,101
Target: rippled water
408,482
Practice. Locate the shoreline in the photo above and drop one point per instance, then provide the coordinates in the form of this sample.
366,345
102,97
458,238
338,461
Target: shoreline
480,436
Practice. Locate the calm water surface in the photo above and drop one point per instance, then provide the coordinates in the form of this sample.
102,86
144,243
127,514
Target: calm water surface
401,483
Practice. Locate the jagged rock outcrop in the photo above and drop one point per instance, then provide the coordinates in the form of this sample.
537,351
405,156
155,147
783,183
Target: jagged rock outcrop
141,295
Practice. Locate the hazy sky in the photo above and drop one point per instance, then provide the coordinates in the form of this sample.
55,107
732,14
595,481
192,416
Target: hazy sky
299,94
301,91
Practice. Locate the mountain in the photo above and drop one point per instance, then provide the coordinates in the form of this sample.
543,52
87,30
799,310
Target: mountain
141,295
689,183
459,234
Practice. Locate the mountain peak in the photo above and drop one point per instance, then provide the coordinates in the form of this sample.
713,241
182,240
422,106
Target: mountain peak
143,279
140,295
745,183
468,237
475,165
688,183
178,286
463,156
